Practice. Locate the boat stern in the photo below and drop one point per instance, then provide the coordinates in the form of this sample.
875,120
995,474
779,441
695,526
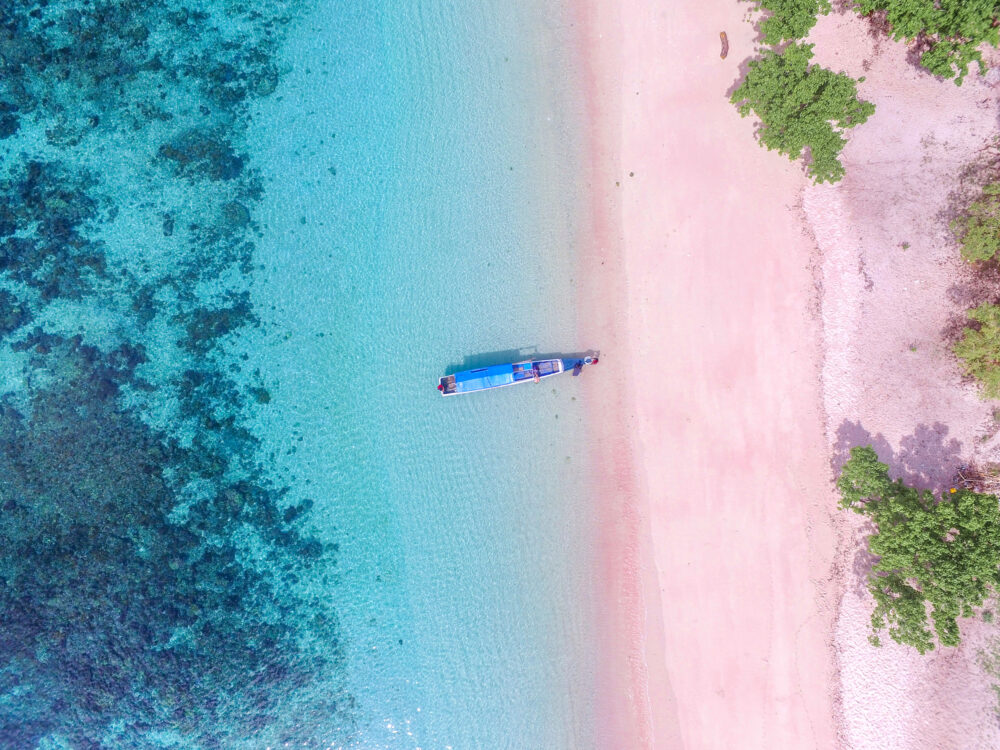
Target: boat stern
446,385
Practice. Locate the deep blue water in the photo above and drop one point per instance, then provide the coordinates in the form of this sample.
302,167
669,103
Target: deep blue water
238,243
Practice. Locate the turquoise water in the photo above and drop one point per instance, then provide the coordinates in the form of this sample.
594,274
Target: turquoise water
421,210
238,245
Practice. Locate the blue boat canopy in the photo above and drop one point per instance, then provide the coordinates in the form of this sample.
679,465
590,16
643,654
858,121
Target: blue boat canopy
484,377
484,372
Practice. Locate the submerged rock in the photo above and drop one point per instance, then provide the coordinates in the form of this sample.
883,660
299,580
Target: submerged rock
9,125
265,82
13,313
236,214
197,154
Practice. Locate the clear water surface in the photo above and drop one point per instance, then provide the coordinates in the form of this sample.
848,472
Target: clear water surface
421,210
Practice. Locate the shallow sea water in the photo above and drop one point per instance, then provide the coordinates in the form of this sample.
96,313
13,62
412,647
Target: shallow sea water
421,211
240,244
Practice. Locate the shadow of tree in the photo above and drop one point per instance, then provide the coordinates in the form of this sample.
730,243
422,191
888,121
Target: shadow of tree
926,458
741,75
758,47
851,435
863,561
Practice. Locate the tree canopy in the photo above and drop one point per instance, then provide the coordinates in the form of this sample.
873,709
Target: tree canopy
979,348
936,554
802,106
790,19
950,31
978,226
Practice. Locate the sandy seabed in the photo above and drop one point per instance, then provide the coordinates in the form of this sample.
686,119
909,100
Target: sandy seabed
759,327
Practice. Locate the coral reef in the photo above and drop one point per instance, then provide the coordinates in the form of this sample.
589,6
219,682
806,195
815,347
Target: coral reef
151,566
115,608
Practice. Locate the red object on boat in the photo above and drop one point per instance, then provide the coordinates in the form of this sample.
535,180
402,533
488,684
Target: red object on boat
596,360
440,387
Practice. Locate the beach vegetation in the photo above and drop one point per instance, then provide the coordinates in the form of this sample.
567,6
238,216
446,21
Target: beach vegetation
804,108
979,348
790,19
947,33
978,226
936,558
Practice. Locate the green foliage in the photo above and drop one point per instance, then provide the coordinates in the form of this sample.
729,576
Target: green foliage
978,228
979,348
940,555
790,19
802,106
952,30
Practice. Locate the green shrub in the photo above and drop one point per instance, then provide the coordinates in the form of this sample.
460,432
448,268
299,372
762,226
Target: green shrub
802,106
936,554
790,19
978,228
979,348
950,30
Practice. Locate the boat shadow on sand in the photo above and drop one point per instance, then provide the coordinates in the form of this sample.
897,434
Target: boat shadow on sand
487,359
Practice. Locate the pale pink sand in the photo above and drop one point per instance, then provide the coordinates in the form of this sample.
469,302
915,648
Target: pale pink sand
725,596
889,377
628,689
722,493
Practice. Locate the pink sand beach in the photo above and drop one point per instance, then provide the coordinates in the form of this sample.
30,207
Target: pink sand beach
723,520
749,316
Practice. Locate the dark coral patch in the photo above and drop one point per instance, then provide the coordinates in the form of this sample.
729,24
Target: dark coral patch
50,206
197,154
14,313
9,125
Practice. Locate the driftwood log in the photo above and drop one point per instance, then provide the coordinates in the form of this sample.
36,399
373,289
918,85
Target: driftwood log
982,479
725,44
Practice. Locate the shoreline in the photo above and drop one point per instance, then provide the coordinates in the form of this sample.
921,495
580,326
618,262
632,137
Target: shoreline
623,717
719,505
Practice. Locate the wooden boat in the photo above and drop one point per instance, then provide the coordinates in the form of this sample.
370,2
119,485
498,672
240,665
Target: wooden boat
498,376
